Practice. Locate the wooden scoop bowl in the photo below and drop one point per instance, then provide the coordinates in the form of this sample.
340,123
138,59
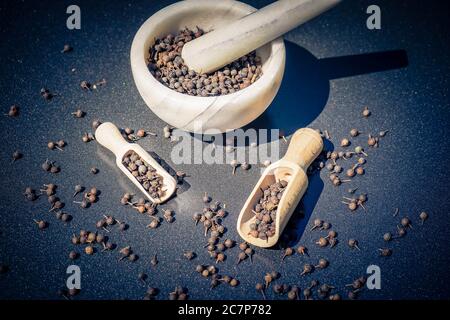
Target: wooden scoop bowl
109,136
305,145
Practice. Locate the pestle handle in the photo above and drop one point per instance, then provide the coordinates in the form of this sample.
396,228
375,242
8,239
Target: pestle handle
109,136
304,146
222,46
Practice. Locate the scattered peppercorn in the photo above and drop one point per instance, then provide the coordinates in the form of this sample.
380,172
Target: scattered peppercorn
13,111
287,252
189,255
73,255
385,252
353,243
46,94
345,142
67,48
366,112
307,268
41,224
94,170
16,156
423,216
89,250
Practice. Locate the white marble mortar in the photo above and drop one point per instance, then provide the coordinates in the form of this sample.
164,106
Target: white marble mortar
195,114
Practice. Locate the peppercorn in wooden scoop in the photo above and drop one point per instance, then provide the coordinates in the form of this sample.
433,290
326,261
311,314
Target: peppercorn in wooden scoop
147,174
279,190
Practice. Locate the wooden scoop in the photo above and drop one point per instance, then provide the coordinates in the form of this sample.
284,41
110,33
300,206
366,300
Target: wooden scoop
109,136
226,44
305,145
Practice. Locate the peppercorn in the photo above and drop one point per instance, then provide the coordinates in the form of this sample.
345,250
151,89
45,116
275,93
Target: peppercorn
16,156
307,268
126,251
322,242
292,295
366,112
189,255
154,261
96,124
78,113
317,224
371,141
73,255
385,252
260,287
405,222
302,250
266,163
182,296
352,206
205,273
307,293
387,236
152,291
94,170
249,252
243,245
234,282
75,239
46,165
41,224
67,48
46,94
89,250
122,226
359,170
85,85
345,142
401,232
61,144
220,257
153,224
132,257
383,133
353,243
13,111
65,217
199,268
423,216
323,263
228,243
277,288
288,252
268,279
242,256
173,296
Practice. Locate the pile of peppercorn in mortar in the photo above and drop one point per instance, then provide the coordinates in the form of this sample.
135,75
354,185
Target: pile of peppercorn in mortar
167,66
94,239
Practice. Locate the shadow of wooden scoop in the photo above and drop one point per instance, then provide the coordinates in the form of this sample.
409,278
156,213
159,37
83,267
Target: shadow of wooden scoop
305,145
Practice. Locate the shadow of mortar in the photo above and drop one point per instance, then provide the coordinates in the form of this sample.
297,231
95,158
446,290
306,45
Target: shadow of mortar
305,87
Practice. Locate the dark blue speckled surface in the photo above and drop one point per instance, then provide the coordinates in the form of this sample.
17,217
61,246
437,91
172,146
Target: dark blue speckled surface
408,171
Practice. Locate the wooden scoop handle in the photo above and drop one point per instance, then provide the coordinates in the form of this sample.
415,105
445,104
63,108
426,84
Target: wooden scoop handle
304,146
109,136
226,44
